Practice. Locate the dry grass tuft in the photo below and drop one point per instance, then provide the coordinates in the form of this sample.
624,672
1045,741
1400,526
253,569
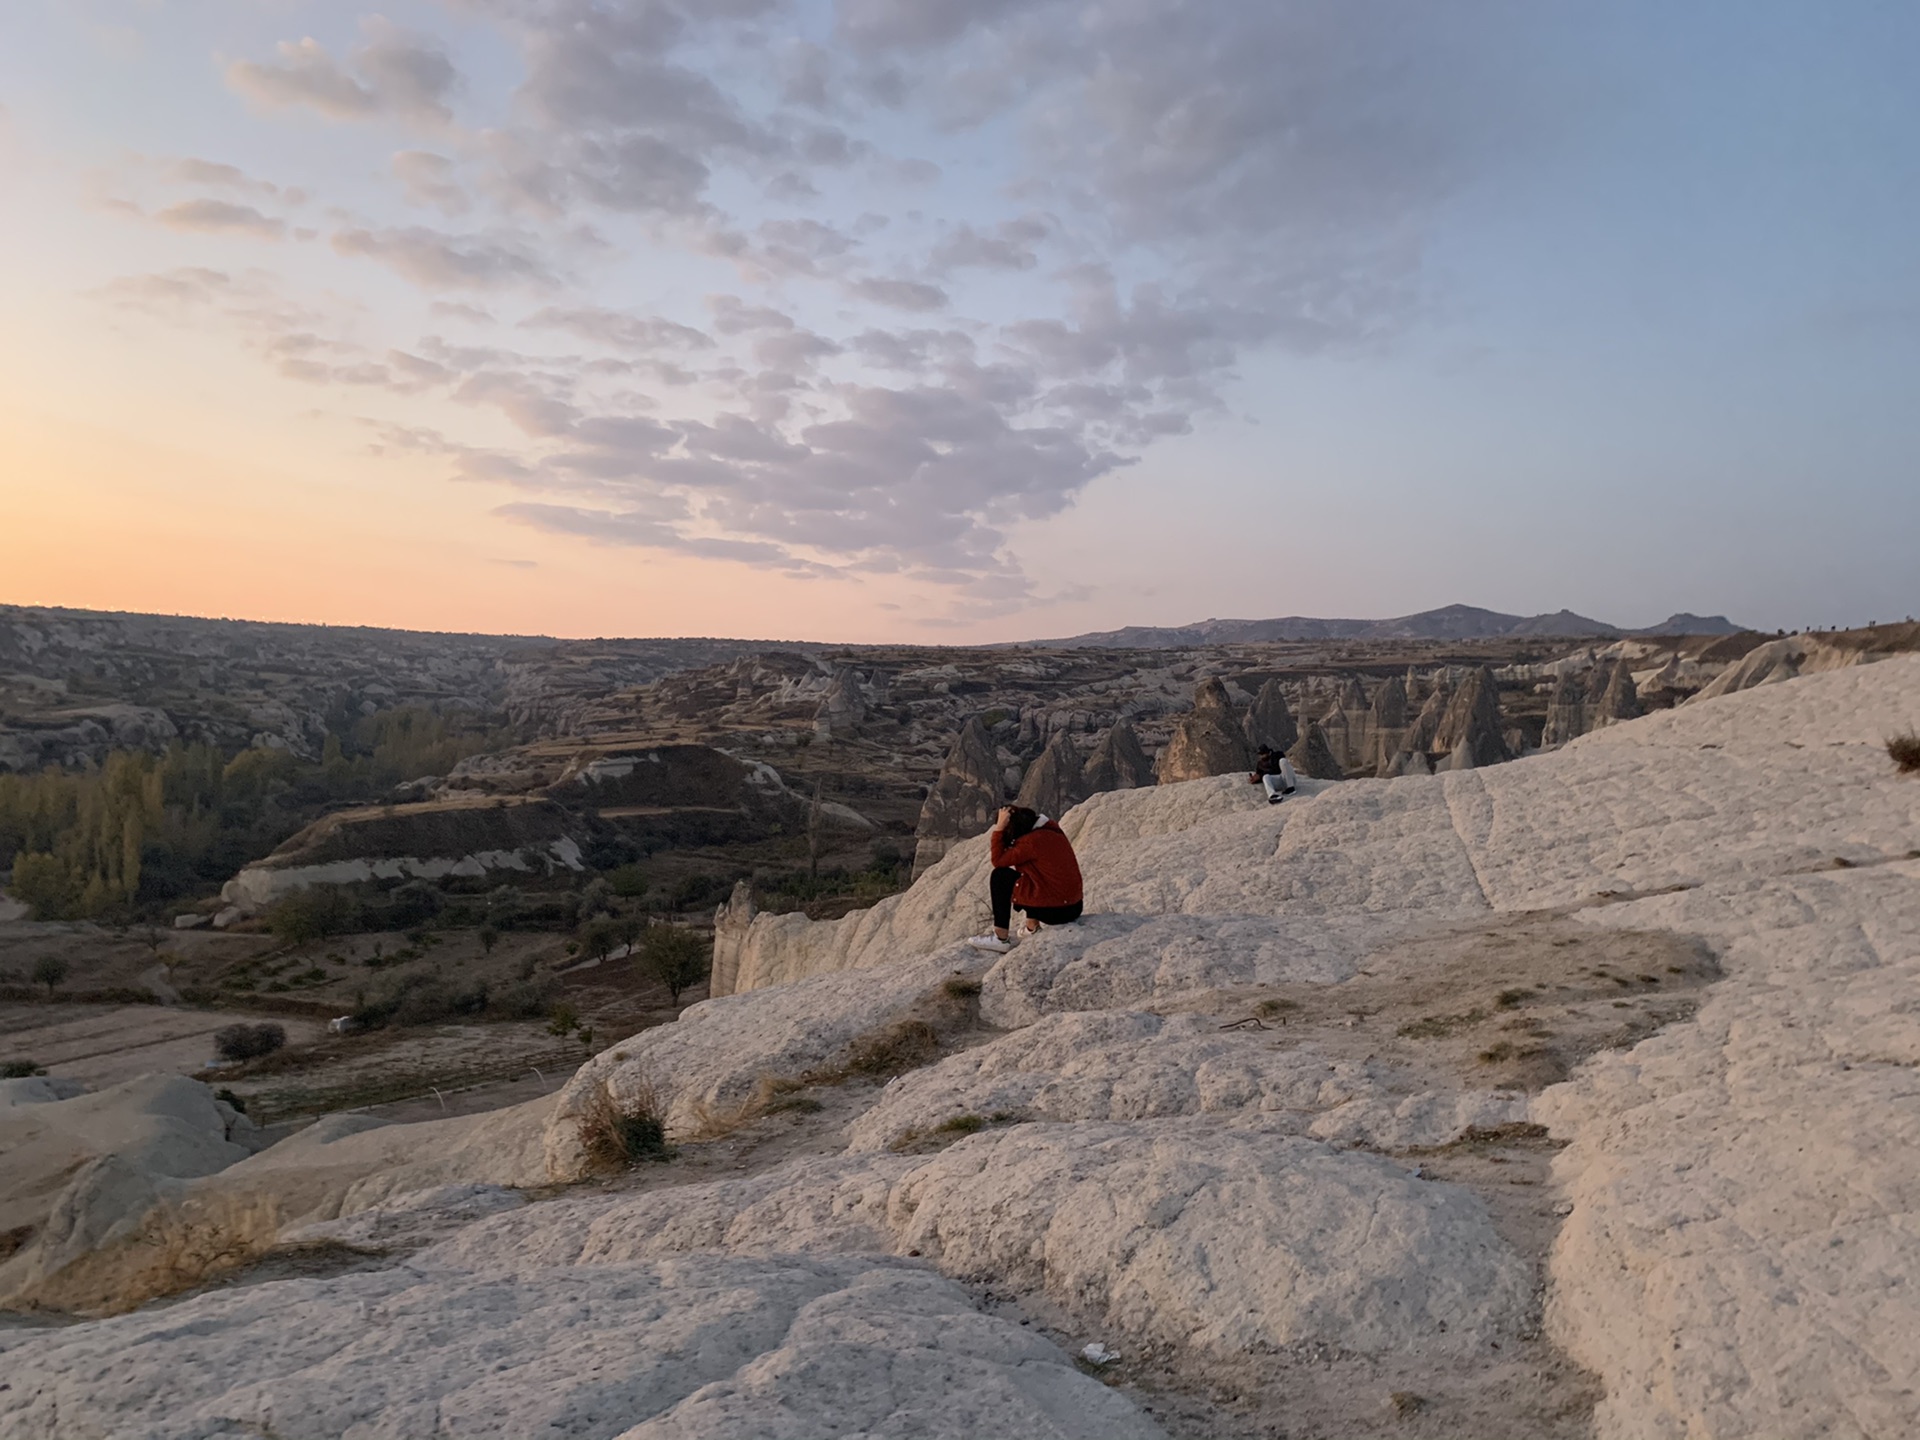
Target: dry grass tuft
1904,750
962,987
892,1049
619,1134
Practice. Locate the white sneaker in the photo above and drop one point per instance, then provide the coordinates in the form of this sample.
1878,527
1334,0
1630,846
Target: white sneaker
990,941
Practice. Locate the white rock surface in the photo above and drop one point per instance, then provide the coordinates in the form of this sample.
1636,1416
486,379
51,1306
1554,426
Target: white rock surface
692,1347
718,1053
1179,1232
408,1220
1743,1256
1132,1065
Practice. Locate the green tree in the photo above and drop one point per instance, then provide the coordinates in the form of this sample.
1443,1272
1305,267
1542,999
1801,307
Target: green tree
675,957
49,970
489,937
599,937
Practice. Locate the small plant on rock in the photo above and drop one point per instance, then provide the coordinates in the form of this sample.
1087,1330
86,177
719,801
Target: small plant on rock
619,1133
20,1069
1905,752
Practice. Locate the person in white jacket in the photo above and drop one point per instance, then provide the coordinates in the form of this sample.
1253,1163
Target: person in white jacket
1275,771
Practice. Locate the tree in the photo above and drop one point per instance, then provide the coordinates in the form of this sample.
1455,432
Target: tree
489,937
676,958
49,970
599,938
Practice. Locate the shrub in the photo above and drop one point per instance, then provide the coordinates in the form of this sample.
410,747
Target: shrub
676,958
525,999
564,1020
599,937
629,882
20,1069
49,970
1905,752
236,1101
960,1125
961,987
489,937
893,1050
248,1042
618,1134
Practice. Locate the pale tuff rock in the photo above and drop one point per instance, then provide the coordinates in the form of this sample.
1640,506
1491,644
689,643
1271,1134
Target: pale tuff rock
1786,659
81,1168
1133,1065
962,802
1186,1233
714,1058
1182,1231
842,709
1269,721
1313,756
1566,711
1619,700
1053,783
1118,762
407,1221
698,1346
1740,1259
1208,740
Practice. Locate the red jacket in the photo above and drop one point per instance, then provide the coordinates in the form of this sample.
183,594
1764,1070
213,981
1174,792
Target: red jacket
1049,870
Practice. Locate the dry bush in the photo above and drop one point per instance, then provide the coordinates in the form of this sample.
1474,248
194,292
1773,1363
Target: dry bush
961,987
1905,752
248,1042
618,1134
892,1049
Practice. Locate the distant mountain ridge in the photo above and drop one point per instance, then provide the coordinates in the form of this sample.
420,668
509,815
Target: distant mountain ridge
1449,622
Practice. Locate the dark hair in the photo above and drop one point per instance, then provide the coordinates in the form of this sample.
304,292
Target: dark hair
1020,821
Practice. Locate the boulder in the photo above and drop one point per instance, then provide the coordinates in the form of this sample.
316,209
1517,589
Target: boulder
1208,739
970,788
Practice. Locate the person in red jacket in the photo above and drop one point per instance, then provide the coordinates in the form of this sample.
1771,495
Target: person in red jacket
1035,869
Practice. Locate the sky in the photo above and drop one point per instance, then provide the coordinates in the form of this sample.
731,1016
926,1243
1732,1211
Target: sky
912,320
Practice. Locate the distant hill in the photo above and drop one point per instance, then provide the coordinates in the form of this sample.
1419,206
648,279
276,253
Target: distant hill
1449,622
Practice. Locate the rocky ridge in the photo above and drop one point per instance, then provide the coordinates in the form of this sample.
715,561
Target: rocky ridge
1244,1131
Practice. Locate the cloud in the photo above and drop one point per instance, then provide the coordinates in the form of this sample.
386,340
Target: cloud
439,261
1010,245
221,217
213,173
428,181
640,333
900,294
392,72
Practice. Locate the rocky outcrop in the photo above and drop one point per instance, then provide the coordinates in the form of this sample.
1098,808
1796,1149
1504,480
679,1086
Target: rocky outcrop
1566,711
1471,732
1269,721
466,837
842,709
1313,757
1118,762
1208,740
1619,698
1054,783
732,920
971,787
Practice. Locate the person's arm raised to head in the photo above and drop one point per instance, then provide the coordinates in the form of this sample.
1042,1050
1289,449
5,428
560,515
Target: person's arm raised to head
997,846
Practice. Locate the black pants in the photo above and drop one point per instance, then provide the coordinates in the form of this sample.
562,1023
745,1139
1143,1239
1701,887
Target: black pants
1001,888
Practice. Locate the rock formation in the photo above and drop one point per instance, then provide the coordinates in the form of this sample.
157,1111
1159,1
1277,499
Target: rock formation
842,708
1053,783
1619,698
1208,740
1566,711
1118,762
1472,727
1269,721
1097,1130
962,802
1313,757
